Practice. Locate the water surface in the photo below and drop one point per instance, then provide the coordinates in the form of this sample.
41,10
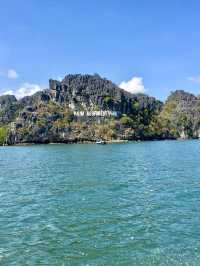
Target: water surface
120,204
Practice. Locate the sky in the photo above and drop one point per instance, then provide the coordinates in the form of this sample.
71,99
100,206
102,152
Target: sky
141,45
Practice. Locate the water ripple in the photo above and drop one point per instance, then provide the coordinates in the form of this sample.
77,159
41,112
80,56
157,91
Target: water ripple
129,204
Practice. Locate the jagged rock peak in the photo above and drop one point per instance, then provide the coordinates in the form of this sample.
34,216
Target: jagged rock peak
7,100
181,95
83,82
92,92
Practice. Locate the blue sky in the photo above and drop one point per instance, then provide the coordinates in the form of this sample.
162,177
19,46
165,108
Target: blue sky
156,41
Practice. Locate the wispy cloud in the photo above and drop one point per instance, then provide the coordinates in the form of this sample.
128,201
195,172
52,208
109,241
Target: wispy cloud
194,78
134,85
27,89
10,74
8,92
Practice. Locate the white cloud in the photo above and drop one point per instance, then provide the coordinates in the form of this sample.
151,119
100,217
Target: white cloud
8,92
27,89
134,85
195,79
11,74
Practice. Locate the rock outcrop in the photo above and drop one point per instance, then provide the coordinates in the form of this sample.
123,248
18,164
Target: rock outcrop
8,108
92,93
181,113
87,107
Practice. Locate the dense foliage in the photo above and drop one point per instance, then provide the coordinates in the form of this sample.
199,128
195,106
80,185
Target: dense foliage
3,135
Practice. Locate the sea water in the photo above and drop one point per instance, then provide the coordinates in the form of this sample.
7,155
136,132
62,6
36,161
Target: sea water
116,204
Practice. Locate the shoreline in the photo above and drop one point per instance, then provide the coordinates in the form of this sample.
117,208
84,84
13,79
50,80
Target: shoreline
119,141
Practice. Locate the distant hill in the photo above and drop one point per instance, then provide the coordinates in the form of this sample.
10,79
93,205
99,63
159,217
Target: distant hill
83,108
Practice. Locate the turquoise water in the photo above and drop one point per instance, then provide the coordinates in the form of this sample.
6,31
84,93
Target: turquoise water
120,204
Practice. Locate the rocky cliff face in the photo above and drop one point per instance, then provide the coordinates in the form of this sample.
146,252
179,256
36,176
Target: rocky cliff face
87,107
92,93
8,108
181,113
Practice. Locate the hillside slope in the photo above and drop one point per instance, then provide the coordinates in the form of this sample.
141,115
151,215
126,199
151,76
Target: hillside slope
181,114
87,107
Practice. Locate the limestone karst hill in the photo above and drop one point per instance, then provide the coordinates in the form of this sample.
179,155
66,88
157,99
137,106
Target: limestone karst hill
87,107
87,92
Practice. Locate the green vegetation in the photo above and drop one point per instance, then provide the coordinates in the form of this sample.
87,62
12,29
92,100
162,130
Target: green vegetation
135,106
109,101
61,123
40,123
126,121
105,131
47,117
3,134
